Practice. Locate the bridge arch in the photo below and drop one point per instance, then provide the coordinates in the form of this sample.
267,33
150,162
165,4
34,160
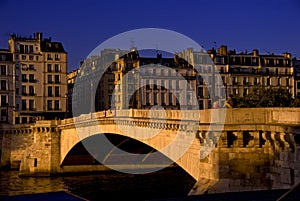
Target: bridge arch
136,153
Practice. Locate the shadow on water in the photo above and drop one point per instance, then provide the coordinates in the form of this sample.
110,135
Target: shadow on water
111,185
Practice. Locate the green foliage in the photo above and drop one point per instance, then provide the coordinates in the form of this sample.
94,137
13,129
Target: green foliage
266,97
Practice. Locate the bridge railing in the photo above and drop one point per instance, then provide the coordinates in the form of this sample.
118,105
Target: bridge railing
290,116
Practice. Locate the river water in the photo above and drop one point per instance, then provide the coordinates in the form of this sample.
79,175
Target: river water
166,183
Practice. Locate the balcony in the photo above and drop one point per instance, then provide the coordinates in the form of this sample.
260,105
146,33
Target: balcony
243,71
24,80
33,81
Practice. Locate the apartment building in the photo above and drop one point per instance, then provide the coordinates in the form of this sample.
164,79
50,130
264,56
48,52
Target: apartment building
134,81
238,73
38,70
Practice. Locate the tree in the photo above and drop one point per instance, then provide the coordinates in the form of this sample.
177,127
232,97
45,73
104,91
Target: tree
266,97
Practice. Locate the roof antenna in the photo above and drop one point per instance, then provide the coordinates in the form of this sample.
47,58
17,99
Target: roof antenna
132,45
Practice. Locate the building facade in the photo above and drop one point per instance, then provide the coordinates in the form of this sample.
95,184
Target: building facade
239,73
135,81
7,87
38,70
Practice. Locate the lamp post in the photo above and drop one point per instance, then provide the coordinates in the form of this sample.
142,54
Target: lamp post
67,107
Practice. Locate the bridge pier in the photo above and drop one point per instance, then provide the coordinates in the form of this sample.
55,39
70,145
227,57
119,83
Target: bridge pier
42,157
252,160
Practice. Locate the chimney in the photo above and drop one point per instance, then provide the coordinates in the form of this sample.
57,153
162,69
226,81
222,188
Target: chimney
255,52
287,55
38,36
222,50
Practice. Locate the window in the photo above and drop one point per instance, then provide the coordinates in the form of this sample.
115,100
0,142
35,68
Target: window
234,80
200,92
31,90
56,68
56,91
31,105
170,98
17,120
3,100
56,104
24,78
22,48
23,90
3,85
56,57
147,84
30,57
287,82
35,162
155,98
17,57
255,80
24,120
49,57
31,67
147,99
31,77
50,91
23,104
56,78
50,79
200,103
177,84
267,71
37,58
49,104
3,113
154,84
163,98
3,70
23,57
49,67
298,85
170,84
235,91
30,48
245,92
268,81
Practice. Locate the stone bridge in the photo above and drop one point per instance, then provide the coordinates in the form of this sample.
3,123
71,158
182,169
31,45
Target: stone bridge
255,149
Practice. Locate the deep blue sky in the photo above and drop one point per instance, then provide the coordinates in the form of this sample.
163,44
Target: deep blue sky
267,25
